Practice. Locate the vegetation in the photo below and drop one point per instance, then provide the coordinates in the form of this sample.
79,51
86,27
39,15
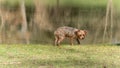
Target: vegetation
82,14
87,3
48,56
34,21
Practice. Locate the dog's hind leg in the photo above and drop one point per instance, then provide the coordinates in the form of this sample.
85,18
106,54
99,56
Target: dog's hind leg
71,41
56,40
60,39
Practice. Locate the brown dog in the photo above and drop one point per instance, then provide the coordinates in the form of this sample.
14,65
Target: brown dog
72,33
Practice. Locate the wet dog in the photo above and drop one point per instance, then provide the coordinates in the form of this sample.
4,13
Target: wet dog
68,32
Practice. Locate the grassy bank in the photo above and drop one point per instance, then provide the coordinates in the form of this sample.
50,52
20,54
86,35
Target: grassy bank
48,56
77,3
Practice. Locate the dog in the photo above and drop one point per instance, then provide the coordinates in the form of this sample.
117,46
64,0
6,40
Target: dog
68,32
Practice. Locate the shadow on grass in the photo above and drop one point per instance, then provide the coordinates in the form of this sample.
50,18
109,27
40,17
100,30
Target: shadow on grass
117,44
71,50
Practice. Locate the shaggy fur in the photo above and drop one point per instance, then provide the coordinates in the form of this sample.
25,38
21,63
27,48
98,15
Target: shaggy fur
68,32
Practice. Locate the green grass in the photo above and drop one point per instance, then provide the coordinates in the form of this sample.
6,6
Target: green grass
48,56
77,3
85,4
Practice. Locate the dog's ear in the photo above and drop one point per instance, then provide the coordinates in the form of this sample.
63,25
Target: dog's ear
85,32
77,32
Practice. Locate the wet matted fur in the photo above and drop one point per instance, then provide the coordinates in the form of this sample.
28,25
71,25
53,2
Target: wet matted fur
68,32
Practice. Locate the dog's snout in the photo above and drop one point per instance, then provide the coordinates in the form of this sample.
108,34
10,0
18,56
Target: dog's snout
82,38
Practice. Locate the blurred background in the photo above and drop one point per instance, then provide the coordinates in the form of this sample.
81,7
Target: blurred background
34,21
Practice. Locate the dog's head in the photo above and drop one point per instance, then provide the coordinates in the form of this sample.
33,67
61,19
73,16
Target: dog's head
81,34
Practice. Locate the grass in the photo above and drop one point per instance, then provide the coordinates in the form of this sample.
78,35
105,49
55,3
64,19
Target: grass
48,56
82,4
85,4
77,3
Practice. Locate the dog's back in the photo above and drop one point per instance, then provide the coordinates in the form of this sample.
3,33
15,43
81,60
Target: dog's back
65,31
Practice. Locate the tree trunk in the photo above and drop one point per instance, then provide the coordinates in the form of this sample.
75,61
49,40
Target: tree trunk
41,15
109,9
106,20
2,38
111,19
24,23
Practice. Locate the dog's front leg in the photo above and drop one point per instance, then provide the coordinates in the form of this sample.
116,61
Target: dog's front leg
78,41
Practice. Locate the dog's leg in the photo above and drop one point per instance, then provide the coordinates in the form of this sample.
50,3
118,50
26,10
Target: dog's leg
56,40
71,41
78,41
60,40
